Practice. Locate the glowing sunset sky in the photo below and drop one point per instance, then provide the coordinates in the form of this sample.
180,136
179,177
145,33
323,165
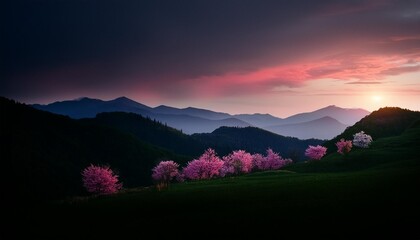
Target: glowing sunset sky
278,57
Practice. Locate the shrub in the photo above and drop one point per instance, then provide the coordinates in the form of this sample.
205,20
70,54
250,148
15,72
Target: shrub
100,180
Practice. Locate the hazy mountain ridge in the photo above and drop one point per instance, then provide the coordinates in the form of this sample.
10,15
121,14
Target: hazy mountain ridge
192,120
194,112
311,129
343,115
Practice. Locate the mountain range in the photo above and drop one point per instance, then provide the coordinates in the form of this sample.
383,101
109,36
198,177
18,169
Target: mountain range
44,153
324,123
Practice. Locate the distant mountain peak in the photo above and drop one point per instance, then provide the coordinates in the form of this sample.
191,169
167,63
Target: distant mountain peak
123,98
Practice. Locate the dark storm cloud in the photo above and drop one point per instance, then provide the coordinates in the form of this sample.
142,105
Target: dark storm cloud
60,46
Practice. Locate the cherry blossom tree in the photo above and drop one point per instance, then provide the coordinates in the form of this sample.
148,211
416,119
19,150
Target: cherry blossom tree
362,140
206,166
344,147
315,152
164,173
237,162
100,180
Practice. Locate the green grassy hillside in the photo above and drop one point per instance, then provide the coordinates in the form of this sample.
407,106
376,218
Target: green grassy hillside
373,188
385,122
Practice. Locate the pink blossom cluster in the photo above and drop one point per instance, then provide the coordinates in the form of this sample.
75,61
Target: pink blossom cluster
237,162
272,161
165,171
343,146
209,165
206,166
100,180
315,152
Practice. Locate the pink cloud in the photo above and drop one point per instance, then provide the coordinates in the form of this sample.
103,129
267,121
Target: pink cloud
360,69
405,38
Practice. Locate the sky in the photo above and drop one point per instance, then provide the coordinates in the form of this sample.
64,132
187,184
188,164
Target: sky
235,56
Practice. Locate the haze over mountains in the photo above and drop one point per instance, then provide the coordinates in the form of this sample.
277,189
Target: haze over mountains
322,128
324,123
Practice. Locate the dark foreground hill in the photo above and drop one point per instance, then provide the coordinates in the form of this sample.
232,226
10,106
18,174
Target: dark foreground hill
42,154
151,131
385,122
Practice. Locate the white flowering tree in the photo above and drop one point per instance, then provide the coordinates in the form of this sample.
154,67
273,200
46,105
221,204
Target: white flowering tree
361,139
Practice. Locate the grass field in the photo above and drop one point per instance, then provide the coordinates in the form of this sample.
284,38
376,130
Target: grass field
370,187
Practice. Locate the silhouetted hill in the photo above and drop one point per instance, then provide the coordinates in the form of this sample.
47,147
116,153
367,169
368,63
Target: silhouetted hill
323,128
88,107
151,131
347,116
385,122
254,140
43,154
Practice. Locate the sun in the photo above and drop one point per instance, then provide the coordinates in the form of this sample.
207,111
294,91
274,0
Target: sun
376,98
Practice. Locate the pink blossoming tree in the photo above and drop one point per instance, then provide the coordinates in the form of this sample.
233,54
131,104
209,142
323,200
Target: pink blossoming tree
237,162
100,180
344,147
315,152
206,166
164,173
